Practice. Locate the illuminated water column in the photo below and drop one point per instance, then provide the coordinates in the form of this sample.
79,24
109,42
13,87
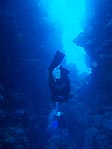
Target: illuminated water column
67,15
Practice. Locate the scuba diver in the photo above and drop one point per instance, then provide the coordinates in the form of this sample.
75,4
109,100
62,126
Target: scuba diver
59,82
60,87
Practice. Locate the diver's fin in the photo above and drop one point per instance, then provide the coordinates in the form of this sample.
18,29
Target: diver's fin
59,56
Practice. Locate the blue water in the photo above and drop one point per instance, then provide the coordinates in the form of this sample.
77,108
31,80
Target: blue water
67,16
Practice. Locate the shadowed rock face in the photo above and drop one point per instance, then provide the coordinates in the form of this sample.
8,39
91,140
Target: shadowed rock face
97,41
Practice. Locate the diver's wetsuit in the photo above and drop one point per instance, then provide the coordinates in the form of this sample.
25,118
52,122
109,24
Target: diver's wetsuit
60,88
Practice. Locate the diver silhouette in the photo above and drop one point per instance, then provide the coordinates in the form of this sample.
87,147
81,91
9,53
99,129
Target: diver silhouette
59,82
60,87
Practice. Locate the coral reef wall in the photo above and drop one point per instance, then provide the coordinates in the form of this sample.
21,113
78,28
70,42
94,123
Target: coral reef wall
24,58
97,42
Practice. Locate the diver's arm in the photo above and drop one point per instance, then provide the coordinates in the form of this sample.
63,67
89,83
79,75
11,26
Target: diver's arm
68,85
50,79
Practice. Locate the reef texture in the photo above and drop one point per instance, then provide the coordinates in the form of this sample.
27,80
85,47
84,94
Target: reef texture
97,42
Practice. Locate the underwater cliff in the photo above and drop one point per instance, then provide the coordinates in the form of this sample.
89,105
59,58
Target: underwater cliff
96,40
